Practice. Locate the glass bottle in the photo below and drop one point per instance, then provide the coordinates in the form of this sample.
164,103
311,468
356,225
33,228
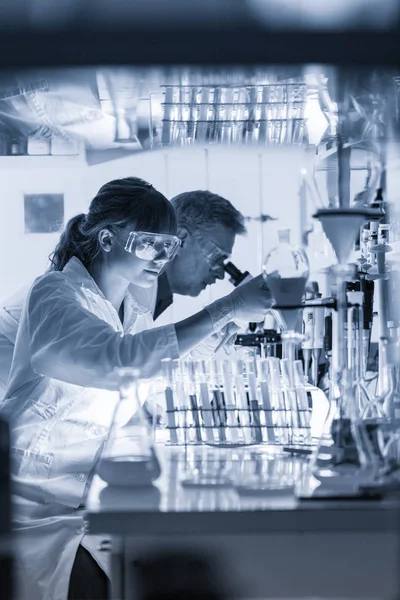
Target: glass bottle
129,457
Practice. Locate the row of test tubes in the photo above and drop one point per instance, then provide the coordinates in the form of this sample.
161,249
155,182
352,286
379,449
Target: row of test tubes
263,114
236,402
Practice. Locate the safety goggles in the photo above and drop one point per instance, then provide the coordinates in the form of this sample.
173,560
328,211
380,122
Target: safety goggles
152,246
214,255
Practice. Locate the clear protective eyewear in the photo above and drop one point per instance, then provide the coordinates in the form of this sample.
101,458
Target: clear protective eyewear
152,246
214,255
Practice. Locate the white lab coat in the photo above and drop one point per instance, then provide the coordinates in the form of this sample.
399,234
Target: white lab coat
10,314
60,398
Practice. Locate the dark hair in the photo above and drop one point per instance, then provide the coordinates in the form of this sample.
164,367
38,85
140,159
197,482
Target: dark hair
201,208
119,203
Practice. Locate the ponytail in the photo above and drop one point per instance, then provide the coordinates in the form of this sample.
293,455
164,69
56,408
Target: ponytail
119,203
74,242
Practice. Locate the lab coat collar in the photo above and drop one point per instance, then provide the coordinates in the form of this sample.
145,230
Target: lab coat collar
78,273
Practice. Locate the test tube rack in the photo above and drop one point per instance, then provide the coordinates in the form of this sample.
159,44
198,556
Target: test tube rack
239,404
270,114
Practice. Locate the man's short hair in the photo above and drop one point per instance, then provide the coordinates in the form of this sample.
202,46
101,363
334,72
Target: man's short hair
200,209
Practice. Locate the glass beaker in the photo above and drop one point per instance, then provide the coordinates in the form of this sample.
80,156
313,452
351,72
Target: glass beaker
129,457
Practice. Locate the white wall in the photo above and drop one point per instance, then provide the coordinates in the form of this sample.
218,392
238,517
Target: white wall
25,256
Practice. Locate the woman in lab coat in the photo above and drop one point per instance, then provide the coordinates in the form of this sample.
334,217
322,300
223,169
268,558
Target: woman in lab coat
80,322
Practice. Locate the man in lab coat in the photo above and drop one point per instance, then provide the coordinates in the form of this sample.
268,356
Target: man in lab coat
207,225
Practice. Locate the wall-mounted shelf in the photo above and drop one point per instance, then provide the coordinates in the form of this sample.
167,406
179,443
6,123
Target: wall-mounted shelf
42,162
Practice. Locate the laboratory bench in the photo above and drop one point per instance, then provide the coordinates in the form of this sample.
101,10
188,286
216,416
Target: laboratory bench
263,544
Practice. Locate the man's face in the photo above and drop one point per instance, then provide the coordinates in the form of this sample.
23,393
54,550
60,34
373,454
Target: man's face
200,261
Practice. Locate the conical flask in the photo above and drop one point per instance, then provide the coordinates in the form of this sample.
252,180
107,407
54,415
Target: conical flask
129,457
345,450
286,271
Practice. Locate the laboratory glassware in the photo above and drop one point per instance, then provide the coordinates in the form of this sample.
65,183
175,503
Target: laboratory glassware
170,399
129,457
355,347
286,272
345,453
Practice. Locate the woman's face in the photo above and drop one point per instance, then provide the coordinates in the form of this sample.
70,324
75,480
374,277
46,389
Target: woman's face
136,266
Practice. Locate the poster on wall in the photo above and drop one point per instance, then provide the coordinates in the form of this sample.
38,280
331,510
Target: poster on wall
43,213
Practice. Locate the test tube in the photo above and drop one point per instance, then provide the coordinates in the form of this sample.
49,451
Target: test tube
218,403
291,400
262,136
169,399
180,371
253,400
242,404
278,113
263,377
278,400
250,131
238,124
206,408
167,123
192,122
291,96
226,128
305,412
194,403
230,405
201,130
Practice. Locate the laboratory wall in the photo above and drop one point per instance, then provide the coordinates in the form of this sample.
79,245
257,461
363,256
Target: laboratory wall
24,256
266,182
